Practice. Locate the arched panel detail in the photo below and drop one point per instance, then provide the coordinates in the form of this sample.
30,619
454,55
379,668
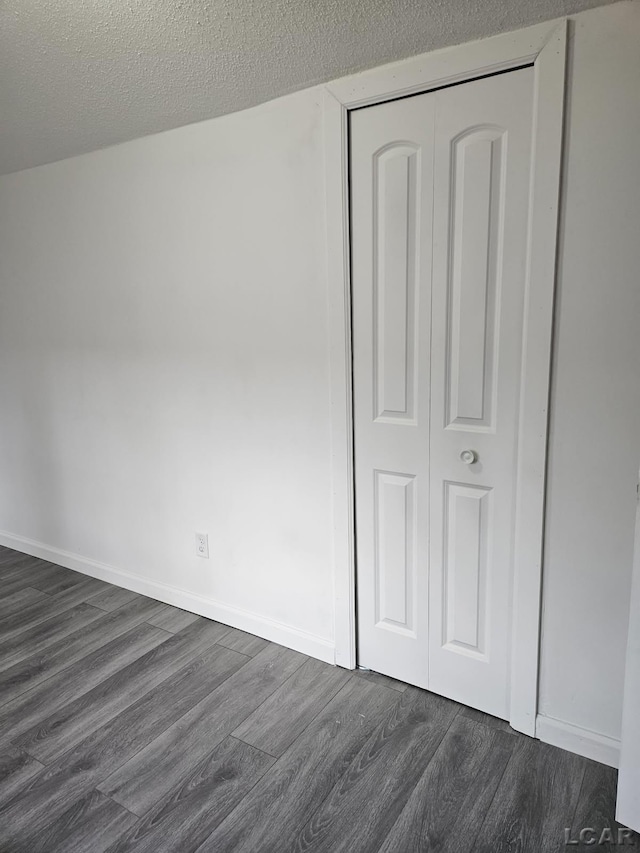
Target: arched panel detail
396,179
477,163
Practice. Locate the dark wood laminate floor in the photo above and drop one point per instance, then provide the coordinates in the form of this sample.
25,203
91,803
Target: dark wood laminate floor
129,725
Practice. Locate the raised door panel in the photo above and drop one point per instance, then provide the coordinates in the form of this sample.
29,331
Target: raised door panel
467,520
395,278
395,551
477,166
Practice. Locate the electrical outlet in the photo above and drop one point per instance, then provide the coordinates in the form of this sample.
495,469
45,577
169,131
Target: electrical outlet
202,545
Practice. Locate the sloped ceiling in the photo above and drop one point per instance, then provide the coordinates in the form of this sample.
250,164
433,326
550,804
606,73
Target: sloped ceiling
77,75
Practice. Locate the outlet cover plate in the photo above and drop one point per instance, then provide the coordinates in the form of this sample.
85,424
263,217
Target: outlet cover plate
202,545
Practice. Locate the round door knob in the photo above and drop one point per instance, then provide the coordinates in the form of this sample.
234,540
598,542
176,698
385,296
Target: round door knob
469,457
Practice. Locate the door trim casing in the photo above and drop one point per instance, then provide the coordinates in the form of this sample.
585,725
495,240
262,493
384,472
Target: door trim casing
543,46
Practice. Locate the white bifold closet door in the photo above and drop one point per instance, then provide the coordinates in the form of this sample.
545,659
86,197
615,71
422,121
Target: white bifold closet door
439,205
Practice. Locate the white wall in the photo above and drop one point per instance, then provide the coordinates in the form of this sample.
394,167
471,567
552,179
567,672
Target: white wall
163,360
164,368
595,401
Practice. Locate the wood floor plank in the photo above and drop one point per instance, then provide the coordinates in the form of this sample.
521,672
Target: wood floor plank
359,811
26,674
37,639
534,802
270,816
42,610
12,565
60,784
19,578
158,768
90,825
8,573
12,553
6,552
113,598
15,602
488,720
384,680
25,565
186,816
6,563
286,713
173,619
16,768
596,810
53,579
56,734
453,794
240,641
26,710
21,562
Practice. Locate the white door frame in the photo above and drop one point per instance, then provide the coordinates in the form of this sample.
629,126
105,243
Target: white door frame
628,802
543,46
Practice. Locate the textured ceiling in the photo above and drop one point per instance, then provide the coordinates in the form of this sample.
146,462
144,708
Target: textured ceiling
77,75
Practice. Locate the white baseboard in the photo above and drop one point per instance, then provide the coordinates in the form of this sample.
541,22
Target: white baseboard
583,742
235,617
